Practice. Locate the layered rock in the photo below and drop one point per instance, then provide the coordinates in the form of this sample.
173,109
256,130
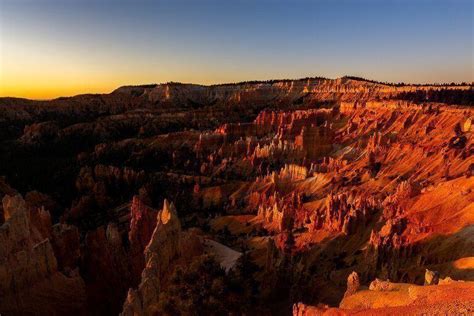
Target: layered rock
315,141
163,248
293,173
345,212
29,267
279,213
340,175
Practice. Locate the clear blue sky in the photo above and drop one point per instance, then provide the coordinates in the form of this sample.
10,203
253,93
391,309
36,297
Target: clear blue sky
50,48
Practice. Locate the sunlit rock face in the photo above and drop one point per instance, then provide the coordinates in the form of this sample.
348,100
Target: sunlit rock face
287,196
372,195
163,248
142,224
388,298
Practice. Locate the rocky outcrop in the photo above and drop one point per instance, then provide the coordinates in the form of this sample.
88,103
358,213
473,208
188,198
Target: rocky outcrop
386,249
310,179
467,126
28,265
394,205
316,141
40,133
278,213
163,248
293,173
353,284
113,260
17,238
97,186
345,212
431,277
380,285
105,268
142,224
301,309
387,298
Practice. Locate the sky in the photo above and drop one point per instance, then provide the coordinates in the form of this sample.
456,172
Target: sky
52,48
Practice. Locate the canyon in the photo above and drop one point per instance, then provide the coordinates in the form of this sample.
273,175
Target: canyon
307,197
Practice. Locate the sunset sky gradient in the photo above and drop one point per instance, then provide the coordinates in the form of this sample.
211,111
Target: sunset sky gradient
57,48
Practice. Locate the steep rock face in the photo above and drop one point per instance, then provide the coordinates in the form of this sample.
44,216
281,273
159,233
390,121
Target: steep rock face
105,268
284,93
315,141
142,224
28,265
114,256
163,248
308,129
298,91
369,203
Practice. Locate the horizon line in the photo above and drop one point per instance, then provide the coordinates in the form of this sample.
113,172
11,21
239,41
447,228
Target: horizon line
268,81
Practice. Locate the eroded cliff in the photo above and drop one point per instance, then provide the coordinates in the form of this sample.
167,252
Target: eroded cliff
280,190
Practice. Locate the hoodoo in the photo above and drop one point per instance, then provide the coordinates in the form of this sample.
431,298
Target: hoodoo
307,196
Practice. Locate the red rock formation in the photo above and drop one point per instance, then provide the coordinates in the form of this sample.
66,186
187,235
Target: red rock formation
345,212
316,141
301,309
29,266
142,225
374,184
353,284
293,173
163,248
387,298
278,213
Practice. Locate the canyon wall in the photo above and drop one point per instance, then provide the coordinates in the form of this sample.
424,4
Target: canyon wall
281,190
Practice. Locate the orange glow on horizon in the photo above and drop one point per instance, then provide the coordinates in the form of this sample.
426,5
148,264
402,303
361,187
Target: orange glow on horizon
51,87
51,48
45,92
